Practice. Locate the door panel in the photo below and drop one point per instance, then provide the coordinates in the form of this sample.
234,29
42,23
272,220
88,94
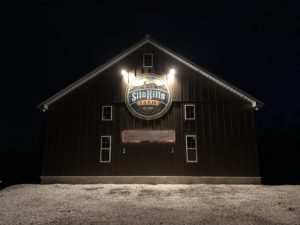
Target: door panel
147,158
144,158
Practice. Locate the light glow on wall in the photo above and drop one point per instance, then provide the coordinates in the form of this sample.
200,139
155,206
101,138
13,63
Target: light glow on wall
170,75
127,76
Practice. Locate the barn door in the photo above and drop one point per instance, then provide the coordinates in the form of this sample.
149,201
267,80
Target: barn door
144,151
147,159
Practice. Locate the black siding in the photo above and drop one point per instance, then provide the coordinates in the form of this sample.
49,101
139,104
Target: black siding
224,127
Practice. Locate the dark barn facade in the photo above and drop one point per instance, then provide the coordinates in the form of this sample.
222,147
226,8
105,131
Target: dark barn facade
149,115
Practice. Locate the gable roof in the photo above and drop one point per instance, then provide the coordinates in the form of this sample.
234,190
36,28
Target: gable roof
45,104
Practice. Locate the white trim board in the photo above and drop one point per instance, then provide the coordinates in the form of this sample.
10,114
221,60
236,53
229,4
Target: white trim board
45,104
101,148
151,60
187,148
194,111
111,113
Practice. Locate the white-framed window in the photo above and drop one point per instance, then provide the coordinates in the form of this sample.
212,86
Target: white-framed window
191,148
105,149
147,60
107,112
189,112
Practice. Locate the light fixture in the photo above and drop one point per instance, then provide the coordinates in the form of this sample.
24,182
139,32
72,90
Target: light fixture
170,76
45,108
172,71
124,73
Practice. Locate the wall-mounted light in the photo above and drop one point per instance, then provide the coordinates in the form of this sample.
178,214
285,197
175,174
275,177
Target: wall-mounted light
124,73
254,105
128,77
45,108
170,75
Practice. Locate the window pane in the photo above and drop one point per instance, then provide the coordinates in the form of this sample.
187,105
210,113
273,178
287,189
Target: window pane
189,112
107,112
105,155
148,60
191,142
105,143
191,155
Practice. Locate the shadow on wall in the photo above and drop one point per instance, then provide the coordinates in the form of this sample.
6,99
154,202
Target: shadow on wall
21,166
279,148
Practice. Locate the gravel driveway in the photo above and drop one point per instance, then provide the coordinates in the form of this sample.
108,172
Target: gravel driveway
149,204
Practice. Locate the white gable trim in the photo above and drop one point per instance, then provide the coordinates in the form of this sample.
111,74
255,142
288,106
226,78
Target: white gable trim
45,105
91,75
209,76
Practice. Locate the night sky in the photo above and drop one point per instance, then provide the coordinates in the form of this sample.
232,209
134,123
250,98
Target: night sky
46,46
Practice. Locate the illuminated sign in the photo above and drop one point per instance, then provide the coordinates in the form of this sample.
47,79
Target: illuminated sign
148,97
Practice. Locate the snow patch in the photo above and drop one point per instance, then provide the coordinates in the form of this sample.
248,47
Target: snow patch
149,204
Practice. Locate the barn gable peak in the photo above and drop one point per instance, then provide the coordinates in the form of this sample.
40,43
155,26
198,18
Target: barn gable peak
148,40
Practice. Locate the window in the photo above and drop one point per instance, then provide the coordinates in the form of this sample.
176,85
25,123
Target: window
148,60
106,112
189,112
191,148
105,149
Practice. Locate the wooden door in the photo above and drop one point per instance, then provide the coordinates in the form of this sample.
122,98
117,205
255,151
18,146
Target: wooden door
144,158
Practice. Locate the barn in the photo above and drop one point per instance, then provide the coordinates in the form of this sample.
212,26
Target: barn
150,116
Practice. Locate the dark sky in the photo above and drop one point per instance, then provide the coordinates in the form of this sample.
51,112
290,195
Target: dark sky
46,46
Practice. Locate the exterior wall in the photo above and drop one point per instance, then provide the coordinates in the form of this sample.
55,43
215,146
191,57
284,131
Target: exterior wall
224,127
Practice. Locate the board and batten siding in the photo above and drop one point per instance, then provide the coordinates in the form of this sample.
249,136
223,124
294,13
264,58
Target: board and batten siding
224,126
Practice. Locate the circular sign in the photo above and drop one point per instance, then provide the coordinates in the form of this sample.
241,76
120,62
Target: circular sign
148,97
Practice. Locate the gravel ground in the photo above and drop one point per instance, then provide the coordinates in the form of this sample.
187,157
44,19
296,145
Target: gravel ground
149,204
